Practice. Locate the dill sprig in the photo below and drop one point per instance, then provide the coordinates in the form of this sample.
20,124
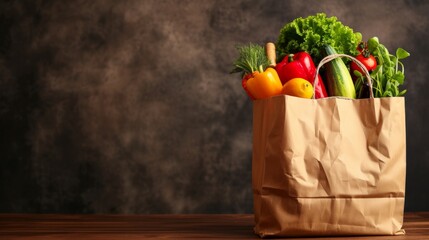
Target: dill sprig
251,58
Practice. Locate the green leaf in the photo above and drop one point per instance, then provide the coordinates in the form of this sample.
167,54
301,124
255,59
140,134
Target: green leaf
373,44
375,71
385,55
395,91
402,93
357,73
358,83
399,77
388,85
388,75
387,94
401,53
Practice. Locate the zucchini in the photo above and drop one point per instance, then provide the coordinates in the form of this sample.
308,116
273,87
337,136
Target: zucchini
338,77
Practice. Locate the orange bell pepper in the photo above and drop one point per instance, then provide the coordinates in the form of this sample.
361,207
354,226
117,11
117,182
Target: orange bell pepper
264,84
256,82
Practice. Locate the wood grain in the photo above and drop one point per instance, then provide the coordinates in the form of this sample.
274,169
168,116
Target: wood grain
213,226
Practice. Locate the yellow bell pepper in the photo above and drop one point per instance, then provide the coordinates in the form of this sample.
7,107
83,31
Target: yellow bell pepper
264,84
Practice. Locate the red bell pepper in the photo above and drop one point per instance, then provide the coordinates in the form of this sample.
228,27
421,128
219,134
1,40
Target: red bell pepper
244,85
300,65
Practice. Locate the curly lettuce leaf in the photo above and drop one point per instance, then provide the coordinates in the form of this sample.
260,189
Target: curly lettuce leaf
310,34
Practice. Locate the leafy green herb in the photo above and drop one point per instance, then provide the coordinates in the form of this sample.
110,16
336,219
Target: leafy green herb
389,74
251,58
310,34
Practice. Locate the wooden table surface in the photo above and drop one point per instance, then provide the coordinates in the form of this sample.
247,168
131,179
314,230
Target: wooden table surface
219,226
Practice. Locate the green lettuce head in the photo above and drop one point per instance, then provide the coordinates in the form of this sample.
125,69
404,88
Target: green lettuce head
310,34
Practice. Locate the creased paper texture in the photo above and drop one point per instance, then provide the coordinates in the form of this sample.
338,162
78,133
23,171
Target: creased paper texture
329,166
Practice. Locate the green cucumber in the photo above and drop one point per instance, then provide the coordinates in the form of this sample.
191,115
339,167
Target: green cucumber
338,77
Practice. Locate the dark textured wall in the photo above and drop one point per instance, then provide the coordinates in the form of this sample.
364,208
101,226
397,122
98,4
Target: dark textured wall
128,107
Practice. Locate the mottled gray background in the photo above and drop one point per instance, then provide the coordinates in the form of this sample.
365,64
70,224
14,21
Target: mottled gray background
128,107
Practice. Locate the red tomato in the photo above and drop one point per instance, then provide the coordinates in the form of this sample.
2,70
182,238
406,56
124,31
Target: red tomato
369,62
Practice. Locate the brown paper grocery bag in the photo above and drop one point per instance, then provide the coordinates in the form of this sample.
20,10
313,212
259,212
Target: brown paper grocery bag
329,166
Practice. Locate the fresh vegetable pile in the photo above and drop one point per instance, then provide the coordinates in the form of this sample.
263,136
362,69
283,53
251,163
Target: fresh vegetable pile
302,44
